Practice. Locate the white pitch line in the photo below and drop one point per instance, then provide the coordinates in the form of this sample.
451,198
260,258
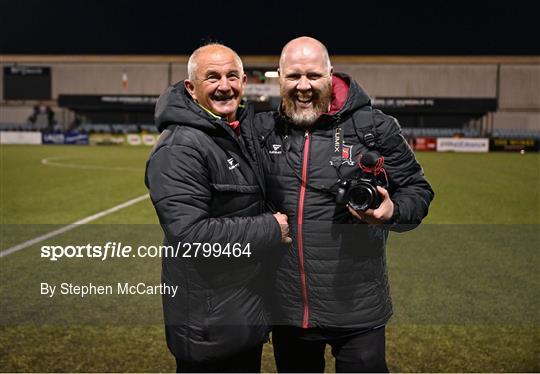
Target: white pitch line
71,226
52,161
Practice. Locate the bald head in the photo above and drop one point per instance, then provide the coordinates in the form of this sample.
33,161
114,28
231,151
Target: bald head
305,81
214,51
304,48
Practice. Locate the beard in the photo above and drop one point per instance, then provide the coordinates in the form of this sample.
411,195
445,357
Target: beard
306,117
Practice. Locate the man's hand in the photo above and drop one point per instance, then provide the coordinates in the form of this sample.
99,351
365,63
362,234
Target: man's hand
377,216
282,219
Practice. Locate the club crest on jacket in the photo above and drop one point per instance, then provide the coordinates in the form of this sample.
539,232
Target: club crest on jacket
346,154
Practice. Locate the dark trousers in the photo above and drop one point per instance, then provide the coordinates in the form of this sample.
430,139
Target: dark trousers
360,352
244,362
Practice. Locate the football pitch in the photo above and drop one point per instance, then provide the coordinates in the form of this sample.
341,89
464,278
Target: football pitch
465,284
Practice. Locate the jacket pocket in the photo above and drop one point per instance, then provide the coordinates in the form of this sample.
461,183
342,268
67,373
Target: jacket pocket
235,200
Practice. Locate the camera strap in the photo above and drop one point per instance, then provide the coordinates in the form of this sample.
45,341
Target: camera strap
364,127
337,158
337,155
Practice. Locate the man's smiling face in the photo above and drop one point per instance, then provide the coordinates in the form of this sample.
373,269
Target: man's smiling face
219,81
305,79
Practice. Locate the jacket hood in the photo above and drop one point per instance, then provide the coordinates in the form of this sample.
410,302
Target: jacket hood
347,95
175,105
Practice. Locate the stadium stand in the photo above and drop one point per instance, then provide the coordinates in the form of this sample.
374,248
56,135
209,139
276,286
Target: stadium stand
516,133
409,132
440,132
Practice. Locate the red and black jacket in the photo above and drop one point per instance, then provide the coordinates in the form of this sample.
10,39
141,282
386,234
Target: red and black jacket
334,275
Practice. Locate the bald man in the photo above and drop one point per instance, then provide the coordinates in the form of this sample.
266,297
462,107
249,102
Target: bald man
331,284
209,197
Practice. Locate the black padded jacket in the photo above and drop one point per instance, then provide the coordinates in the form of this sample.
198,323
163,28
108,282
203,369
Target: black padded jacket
206,188
334,275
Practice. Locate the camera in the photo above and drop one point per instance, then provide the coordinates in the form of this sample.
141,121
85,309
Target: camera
361,192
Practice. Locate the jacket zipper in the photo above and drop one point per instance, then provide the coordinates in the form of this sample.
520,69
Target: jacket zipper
300,236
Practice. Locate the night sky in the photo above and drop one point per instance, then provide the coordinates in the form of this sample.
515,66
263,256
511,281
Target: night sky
261,28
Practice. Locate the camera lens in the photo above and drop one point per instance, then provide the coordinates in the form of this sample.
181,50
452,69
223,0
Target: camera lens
362,196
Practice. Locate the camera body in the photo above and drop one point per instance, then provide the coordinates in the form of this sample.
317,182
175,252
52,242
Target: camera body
361,192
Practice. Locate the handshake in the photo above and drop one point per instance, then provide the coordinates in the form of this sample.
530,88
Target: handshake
282,220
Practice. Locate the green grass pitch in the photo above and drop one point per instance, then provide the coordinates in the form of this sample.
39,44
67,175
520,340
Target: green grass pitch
465,284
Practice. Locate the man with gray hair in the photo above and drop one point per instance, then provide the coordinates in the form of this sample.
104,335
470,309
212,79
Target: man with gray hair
345,176
209,197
